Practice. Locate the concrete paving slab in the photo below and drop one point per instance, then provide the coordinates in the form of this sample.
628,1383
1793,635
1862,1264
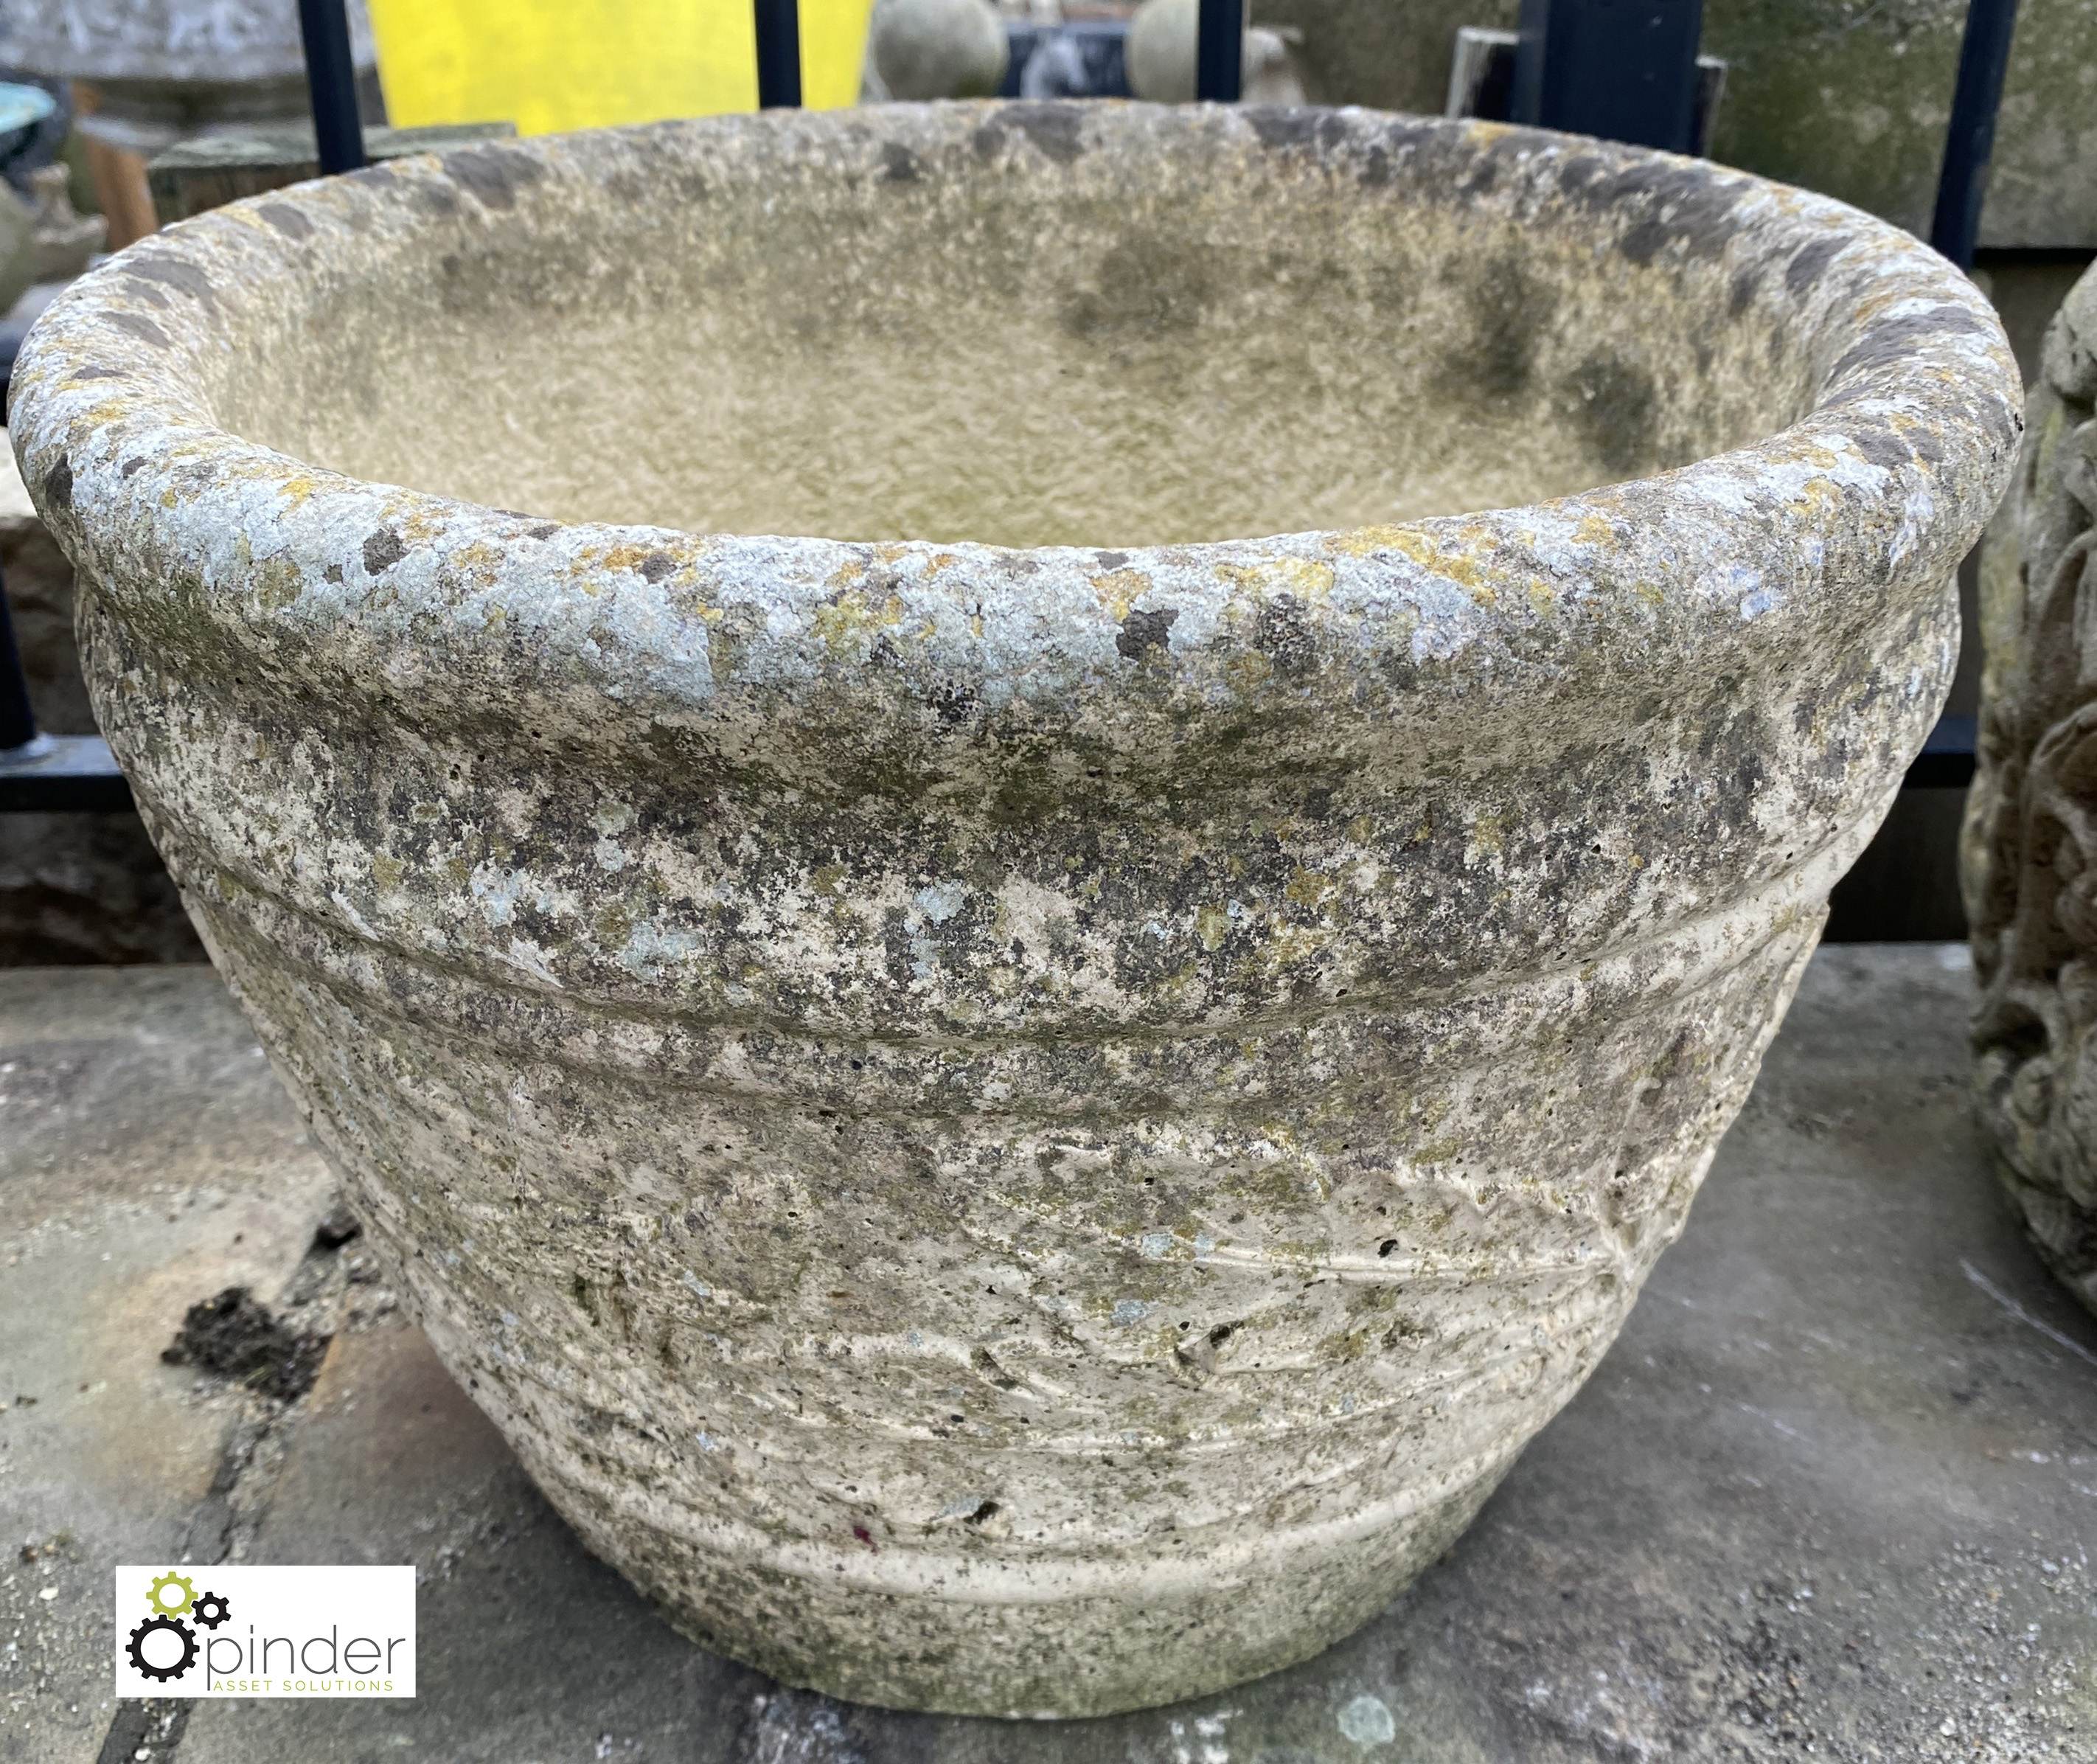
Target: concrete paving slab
1832,1495
147,1158
528,1647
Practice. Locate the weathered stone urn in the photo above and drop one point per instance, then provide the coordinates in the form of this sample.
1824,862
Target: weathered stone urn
2029,849
1018,1095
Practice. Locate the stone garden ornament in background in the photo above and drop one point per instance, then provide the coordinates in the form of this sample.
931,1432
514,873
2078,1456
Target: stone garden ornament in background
2030,846
1163,36
928,49
1018,1097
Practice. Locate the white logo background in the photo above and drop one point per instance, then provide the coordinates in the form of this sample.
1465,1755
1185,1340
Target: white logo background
282,1632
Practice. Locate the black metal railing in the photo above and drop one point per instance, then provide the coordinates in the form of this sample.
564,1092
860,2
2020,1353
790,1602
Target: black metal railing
331,86
778,55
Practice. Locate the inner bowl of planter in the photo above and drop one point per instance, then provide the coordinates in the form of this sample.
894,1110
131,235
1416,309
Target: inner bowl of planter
1181,339
1019,855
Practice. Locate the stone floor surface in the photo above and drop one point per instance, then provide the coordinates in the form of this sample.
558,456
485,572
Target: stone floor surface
1833,1495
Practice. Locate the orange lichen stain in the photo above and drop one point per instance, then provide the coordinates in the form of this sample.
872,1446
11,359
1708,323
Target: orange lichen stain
1248,672
1488,838
840,623
1366,542
417,525
105,412
1307,578
629,556
483,557
1594,530
295,489
1288,943
1461,567
1119,590
1310,888
1871,305
1816,497
277,584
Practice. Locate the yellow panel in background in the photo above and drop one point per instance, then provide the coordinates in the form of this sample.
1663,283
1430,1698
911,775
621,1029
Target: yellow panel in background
548,65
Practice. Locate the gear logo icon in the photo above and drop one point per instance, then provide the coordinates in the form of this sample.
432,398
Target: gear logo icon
161,1596
162,1625
172,1597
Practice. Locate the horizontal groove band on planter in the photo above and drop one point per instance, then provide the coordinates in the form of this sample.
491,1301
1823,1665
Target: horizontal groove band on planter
1020,854
513,1005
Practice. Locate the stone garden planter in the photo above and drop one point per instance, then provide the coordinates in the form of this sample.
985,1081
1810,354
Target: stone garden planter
1020,1105
2029,850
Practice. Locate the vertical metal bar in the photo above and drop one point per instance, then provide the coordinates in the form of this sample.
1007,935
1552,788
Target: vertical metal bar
778,55
1219,52
1531,44
1625,70
1984,57
18,722
331,84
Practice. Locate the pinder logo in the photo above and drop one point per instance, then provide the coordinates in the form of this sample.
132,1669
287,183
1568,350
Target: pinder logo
255,1632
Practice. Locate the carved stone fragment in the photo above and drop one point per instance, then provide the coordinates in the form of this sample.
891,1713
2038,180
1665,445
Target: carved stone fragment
2029,849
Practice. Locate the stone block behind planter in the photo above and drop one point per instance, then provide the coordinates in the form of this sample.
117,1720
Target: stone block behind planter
1015,1002
1848,97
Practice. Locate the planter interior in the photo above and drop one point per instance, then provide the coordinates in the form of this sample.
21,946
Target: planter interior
1020,1099
1016,361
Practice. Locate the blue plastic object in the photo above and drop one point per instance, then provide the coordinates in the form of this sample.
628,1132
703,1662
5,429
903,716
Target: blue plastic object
23,106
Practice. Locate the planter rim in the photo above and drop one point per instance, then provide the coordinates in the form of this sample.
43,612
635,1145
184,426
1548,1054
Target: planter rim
1911,437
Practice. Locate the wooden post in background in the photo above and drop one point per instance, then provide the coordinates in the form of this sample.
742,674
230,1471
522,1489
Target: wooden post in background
119,178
